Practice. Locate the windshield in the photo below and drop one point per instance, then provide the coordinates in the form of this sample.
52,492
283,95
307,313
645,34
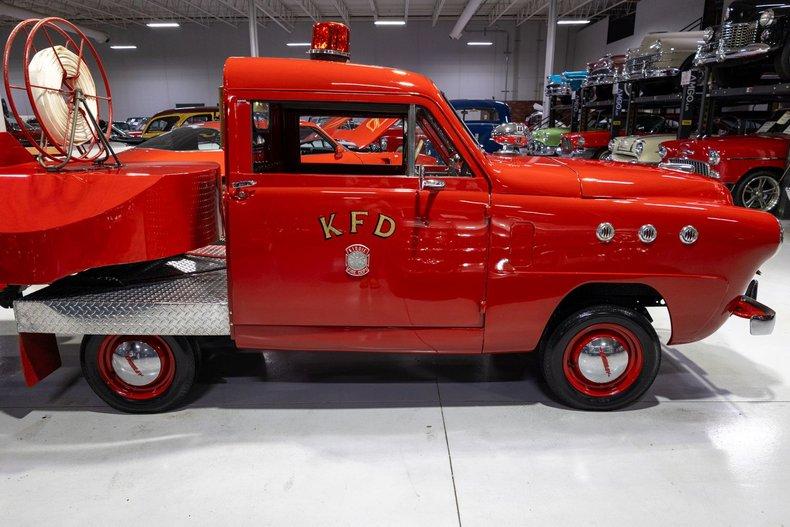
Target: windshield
183,139
486,115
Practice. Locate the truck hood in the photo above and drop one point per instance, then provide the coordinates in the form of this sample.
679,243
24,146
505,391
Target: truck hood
596,179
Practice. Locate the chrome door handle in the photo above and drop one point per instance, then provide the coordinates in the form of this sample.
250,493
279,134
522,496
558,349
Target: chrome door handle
246,183
238,193
433,184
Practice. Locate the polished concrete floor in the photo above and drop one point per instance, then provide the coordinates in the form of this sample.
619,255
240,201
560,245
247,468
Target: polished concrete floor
342,439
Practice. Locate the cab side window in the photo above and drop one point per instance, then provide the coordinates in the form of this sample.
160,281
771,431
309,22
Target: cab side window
328,138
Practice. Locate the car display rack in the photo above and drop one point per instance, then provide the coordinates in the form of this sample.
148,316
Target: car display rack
688,101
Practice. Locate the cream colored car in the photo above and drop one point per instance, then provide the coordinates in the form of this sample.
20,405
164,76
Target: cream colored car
662,55
638,149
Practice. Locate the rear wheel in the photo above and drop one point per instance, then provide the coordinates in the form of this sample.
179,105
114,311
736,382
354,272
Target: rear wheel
139,374
601,358
758,190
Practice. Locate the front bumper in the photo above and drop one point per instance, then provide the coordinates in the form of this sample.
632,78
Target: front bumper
651,73
538,148
558,90
597,79
706,55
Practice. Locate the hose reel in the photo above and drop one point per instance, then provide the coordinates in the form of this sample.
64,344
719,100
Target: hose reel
61,92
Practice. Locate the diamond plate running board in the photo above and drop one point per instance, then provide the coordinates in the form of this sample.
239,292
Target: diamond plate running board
191,298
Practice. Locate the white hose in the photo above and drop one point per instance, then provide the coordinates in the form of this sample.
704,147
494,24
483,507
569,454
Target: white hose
55,113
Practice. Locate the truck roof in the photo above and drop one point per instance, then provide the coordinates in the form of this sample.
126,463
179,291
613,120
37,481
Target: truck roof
323,76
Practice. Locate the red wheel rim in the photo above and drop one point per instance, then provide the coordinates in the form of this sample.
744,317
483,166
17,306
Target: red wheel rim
593,360
115,347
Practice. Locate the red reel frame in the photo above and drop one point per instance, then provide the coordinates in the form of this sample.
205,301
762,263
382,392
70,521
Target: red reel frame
96,148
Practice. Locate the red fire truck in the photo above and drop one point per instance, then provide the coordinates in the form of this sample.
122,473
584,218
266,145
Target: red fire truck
473,253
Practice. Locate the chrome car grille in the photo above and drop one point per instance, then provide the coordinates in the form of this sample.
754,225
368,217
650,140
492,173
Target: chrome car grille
738,35
640,63
700,167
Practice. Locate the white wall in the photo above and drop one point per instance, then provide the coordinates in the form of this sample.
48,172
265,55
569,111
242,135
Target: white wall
651,15
185,65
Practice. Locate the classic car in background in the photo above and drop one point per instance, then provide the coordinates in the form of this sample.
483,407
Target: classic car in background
595,143
662,56
604,72
752,40
563,84
642,147
168,119
546,141
750,166
481,117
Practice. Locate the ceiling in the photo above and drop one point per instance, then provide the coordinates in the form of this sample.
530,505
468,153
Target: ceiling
284,13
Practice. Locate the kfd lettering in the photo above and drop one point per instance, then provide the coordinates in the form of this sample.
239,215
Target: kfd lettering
357,219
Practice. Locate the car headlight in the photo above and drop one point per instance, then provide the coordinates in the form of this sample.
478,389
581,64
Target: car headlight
580,142
611,145
767,17
708,34
639,147
714,158
662,152
384,143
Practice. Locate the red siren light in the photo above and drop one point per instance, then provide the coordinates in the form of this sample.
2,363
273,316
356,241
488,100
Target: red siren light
331,41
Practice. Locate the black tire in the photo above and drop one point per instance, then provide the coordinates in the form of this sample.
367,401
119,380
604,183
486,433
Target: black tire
747,192
183,363
603,154
580,326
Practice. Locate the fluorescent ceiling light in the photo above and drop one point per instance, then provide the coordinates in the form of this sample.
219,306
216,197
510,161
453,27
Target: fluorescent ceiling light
572,22
390,22
298,44
163,24
123,46
480,43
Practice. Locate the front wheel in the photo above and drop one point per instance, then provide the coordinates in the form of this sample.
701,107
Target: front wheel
759,190
139,374
601,358
604,155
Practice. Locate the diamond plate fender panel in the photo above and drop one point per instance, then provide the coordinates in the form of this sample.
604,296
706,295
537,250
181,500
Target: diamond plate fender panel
190,303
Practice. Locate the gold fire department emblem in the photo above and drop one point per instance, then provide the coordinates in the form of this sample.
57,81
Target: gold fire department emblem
357,260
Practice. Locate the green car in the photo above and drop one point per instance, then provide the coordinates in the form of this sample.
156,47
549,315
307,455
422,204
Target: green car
546,141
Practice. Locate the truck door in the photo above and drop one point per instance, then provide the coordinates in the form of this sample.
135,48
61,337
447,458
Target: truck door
351,241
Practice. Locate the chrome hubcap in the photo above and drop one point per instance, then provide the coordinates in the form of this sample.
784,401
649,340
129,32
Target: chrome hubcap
603,360
762,193
136,363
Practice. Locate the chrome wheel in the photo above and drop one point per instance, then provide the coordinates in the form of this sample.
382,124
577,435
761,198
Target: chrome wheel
761,192
136,368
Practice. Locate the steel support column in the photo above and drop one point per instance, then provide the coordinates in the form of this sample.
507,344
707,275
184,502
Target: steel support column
253,20
551,37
